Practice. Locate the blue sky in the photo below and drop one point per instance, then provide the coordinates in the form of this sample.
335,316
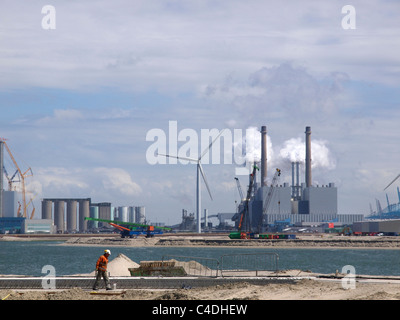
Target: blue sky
76,102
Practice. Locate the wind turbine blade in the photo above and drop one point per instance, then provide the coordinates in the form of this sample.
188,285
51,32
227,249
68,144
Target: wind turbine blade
210,145
204,178
176,157
392,182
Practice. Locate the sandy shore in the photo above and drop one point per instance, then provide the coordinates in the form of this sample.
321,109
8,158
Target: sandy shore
301,290
187,240
308,241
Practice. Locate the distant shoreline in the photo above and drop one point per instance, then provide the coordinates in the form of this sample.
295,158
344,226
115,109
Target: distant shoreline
211,240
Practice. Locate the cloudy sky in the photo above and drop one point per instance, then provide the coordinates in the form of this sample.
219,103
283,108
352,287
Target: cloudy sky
84,86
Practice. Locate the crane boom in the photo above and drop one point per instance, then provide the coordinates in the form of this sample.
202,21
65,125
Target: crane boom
240,189
22,176
245,210
268,197
398,176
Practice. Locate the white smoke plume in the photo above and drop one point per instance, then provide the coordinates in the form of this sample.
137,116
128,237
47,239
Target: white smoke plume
321,157
292,150
250,146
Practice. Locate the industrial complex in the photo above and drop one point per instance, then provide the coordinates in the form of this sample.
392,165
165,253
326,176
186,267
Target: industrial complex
282,206
301,206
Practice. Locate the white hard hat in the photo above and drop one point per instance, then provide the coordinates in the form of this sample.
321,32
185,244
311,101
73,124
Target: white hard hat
107,251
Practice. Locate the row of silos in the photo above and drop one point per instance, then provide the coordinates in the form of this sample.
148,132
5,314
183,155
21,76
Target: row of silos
129,214
124,213
74,220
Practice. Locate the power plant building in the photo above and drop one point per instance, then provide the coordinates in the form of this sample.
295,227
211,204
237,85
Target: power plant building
300,202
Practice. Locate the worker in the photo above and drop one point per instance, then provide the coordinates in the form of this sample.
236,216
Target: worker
101,270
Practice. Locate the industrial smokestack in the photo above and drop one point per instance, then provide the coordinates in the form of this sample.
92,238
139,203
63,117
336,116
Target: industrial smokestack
308,156
1,177
263,156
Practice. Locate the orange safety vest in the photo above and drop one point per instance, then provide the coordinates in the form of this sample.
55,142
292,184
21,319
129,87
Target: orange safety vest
101,264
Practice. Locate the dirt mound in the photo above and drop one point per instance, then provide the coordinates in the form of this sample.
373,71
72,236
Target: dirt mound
191,267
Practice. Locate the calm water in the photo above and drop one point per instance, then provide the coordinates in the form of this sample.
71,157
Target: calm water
28,258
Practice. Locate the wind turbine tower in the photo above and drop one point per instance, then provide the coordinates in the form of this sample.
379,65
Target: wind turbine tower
200,171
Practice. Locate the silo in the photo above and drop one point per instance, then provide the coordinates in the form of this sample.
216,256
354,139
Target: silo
71,215
123,214
59,215
131,214
83,213
94,213
104,212
140,215
46,208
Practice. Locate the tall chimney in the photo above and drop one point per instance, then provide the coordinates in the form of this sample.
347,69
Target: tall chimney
293,185
297,180
263,156
1,177
308,157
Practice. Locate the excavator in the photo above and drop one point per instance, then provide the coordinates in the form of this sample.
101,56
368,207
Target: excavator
130,229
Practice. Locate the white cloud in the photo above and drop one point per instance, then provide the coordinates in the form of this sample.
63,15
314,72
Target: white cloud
142,44
61,115
118,180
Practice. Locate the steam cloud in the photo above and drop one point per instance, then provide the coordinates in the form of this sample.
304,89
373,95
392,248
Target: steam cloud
291,151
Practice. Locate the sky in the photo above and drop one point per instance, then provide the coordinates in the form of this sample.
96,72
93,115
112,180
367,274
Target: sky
91,92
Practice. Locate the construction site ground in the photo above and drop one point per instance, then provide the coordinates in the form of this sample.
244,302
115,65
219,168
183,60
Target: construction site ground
299,288
284,285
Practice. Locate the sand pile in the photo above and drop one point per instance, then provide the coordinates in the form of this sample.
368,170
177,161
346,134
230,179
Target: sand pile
118,267
191,267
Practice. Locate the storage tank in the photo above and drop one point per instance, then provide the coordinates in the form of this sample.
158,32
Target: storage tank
59,210
114,214
84,212
94,213
131,214
71,215
140,215
47,206
123,213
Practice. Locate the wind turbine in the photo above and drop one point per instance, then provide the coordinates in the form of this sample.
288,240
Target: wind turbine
198,182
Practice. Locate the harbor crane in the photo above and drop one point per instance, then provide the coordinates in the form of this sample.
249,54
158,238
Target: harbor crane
244,215
268,198
22,175
398,176
240,189
10,180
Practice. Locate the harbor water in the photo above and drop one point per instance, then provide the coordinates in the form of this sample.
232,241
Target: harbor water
29,257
